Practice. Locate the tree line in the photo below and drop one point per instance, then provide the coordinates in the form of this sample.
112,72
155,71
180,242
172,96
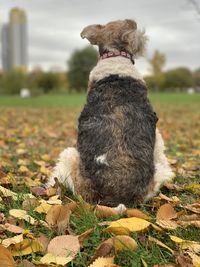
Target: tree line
79,66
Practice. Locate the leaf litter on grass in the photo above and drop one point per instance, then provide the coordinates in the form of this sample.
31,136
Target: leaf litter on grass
49,228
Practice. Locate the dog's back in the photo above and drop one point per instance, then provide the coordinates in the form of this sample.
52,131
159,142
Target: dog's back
116,140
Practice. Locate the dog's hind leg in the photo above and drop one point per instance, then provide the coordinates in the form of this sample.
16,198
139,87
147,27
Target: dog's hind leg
163,171
67,171
66,167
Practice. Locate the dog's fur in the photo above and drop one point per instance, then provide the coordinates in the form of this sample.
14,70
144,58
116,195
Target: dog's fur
120,154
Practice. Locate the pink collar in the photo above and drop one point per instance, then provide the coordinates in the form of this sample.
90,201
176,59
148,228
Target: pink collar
117,54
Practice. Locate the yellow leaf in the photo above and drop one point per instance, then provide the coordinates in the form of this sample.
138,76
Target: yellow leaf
22,215
186,244
195,259
27,246
43,207
23,169
7,193
50,258
193,187
54,200
44,170
103,262
6,257
122,242
12,240
45,157
161,244
132,224
167,224
31,183
144,263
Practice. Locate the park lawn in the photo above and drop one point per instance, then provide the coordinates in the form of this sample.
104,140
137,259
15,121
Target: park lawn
77,100
31,139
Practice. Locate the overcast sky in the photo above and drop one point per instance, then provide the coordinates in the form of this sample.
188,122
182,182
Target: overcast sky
54,27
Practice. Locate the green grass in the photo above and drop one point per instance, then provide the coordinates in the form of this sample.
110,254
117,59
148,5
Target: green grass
77,100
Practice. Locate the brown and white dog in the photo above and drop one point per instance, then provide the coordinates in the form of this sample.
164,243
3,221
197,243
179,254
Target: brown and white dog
119,156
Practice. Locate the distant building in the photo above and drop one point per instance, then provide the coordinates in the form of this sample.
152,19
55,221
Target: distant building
15,41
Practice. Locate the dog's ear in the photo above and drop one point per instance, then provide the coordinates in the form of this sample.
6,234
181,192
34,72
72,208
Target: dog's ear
92,33
131,24
135,41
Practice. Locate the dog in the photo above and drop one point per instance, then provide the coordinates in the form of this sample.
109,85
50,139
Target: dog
119,156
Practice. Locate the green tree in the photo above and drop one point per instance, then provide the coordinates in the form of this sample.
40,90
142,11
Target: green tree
80,65
46,81
12,82
179,78
197,78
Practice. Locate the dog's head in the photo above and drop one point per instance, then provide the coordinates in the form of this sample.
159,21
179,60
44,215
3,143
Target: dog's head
117,35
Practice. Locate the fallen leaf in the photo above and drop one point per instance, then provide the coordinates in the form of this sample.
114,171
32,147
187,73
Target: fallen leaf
54,200
12,240
7,193
166,212
30,203
44,207
144,263
50,258
136,213
193,207
173,199
104,211
29,182
22,215
84,236
103,262
184,261
195,259
12,228
26,263
51,191
186,244
64,246
127,225
38,190
159,243
122,242
6,257
25,247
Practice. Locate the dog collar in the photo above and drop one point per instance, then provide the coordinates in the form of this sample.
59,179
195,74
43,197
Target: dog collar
117,54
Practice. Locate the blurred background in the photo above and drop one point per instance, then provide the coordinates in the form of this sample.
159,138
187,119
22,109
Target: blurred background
42,52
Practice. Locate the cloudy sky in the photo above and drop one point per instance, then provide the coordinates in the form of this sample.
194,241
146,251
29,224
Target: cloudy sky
54,27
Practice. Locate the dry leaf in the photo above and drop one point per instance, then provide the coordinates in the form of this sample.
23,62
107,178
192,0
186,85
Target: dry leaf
44,207
122,242
50,258
38,190
173,199
166,212
32,183
136,213
51,191
27,246
64,246
103,262
12,240
26,263
30,203
84,236
12,228
6,258
103,250
104,211
186,244
22,215
184,261
195,259
144,263
54,200
7,193
159,243
193,207
122,226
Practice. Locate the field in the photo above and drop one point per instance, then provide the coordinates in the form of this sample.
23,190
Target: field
32,134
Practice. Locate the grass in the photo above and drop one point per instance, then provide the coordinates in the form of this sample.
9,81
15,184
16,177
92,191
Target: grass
77,100
31,128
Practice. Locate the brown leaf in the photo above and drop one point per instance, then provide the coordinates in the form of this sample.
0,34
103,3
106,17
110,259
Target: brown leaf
166,212
103,250
64,245
26,263
12,228
136,213
184,261
172,186
38,191
30,203
6,257
193,207
104,211
51,191
84,235
58,216
43,241
122,242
